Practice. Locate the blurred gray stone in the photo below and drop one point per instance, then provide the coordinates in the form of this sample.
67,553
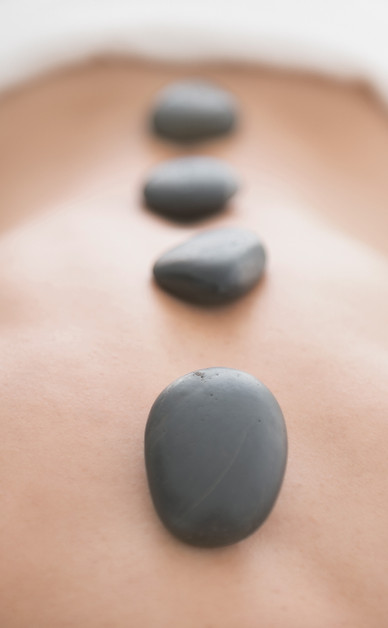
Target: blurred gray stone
190,187
215,452
213,267
194,110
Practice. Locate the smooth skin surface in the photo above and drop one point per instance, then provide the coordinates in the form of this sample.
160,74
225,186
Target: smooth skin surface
88,341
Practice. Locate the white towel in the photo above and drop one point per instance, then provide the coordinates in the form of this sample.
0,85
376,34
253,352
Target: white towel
346,38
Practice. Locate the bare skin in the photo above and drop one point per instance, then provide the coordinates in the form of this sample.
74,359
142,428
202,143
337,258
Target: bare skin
87,341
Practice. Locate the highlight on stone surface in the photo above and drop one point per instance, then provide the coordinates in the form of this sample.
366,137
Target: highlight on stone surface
215,453
193,110
190,187
213,267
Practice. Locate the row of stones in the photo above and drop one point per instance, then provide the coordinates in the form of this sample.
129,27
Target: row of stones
220,264
215,441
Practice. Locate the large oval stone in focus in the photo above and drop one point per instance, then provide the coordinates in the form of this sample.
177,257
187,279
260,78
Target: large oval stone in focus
213,267
190,187
193,110
215,452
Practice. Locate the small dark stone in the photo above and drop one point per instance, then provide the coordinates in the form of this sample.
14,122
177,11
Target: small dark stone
194,110
213,267
215,452
190,187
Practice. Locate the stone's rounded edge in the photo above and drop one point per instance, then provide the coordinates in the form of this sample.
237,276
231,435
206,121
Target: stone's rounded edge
253,266
198,287
180,116
216,538
202,194
233,186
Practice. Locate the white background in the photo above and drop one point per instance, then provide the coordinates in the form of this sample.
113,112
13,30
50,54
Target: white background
341,37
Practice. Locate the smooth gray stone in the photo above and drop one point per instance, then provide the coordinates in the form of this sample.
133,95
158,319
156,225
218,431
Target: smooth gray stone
194,110
190,187
215,453
213,267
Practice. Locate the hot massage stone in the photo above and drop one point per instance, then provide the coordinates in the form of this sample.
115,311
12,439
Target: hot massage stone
215,452
193,110
213,267
190,187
